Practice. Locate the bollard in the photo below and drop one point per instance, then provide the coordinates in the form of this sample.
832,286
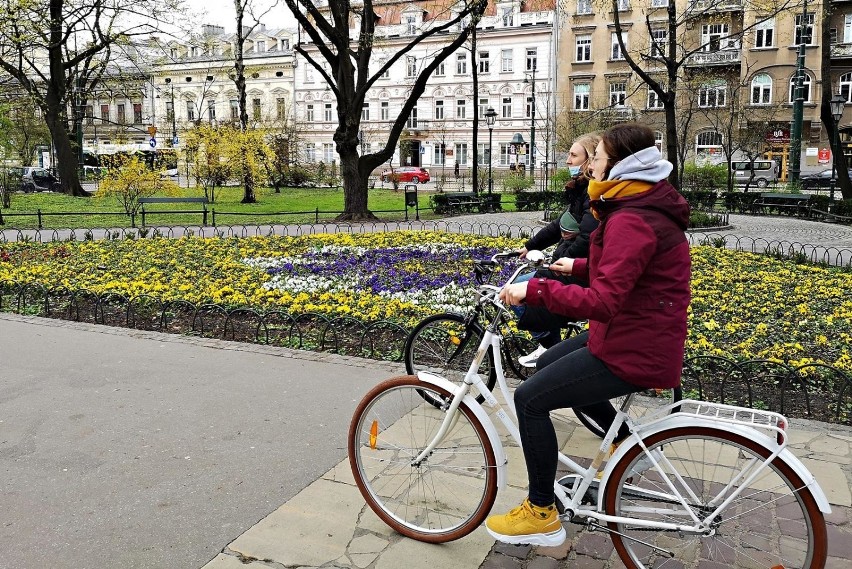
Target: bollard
38,213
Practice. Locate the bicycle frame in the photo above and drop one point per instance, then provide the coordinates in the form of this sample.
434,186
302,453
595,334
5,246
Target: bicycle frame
737,419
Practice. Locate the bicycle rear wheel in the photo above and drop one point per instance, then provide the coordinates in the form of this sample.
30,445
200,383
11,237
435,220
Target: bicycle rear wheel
444,497
773,522
443,344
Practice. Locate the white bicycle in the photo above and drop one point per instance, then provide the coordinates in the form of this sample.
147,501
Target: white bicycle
694,484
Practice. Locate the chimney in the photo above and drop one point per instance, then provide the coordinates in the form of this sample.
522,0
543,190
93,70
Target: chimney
211,30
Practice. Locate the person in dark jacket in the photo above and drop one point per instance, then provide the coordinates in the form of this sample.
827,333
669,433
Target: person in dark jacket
637,300
546,327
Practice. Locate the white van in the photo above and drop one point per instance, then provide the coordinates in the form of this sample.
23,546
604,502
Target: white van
765,172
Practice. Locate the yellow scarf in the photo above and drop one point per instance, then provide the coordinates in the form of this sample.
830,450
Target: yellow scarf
609,189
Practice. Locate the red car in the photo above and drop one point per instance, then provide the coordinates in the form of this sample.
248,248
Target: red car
407,174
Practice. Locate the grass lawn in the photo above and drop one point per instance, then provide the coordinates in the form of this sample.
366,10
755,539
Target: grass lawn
292,205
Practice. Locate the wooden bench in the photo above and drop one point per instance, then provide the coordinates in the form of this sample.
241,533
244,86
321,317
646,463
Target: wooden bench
202,200
794,204
462,202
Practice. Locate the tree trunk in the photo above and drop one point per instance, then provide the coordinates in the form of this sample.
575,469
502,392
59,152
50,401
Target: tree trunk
66,158
671,142
354,186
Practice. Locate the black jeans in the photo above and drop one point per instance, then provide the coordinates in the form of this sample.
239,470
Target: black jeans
567,376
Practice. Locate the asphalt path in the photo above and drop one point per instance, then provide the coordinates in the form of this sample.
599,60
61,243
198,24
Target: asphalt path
133,449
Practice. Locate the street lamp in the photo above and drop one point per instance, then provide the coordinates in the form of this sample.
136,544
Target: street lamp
838,102
532,125
490,119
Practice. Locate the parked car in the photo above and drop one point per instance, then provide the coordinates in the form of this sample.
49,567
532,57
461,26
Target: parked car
819,180
760,172
39,180
407,174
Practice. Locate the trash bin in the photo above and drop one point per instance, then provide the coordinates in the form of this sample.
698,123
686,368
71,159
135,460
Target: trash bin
411,195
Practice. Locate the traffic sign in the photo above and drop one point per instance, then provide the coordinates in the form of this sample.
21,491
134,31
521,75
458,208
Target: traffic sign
175,141
824,156
153,142
152,130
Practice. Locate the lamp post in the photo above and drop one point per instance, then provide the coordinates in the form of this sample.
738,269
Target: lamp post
838,102
532,125
174,113
799,99
490,119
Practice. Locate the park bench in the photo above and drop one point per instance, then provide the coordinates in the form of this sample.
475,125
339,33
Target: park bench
792,204
462,202
202,200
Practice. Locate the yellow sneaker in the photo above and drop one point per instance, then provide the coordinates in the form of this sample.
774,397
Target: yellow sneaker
528,524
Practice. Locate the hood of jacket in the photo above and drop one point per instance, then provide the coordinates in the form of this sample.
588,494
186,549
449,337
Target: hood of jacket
662,197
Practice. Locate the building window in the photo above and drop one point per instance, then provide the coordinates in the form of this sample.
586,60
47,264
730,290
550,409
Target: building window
617,94
440,71
764,33
584,7
309,113
170,111
193,51
190,111
260,46
327,116
532,58
211,110
623,5
281,108
137,113
484,66
460,109
659,3
327,152
584,48
386,74
615,52
529,107
440,153
365,112
805,35
707,144
310,152
439,110
482,154
504,154
846,87
461,152
411,25
761,89
482,107
89,113
461,64
658,140
285,45
712,35
712,95
174,53
309,73
255,109
105,112
384,111
506,60
806,87
410,66
847,29
654,100
506,108
235,110
121,117
581,97
412,119
659,42
508,16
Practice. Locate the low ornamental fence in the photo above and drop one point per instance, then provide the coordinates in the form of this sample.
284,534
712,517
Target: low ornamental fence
812,391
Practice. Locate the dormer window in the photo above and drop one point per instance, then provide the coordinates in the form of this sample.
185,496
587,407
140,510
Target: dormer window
410,25
285,44
174,53
193,51
260,46
508,15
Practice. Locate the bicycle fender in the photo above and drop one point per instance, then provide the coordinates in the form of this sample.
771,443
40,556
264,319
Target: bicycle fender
484,419
672,422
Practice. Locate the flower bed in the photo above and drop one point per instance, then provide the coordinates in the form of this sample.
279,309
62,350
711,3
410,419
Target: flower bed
745,306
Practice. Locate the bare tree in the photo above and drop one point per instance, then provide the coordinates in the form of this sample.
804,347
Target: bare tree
59,48
349,76
677,51
825,104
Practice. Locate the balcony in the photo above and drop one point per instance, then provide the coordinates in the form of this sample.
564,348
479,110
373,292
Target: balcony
533,18
714,6
841,51
716,58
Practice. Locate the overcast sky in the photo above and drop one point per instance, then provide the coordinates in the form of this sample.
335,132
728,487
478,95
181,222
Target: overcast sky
221,12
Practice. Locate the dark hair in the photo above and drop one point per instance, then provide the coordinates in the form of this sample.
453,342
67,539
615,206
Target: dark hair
625,139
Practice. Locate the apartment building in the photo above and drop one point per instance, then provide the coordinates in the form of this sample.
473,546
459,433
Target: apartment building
515,69
740,59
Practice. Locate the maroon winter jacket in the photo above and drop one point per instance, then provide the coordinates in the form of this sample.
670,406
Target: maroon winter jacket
638,269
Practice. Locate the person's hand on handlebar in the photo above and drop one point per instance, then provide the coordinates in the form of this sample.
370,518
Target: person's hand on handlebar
514,294
564,265
522,253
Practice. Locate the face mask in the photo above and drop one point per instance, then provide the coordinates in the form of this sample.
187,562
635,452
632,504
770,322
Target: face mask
574,170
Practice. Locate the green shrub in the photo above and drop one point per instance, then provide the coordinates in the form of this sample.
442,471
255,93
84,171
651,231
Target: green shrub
516,183
704,219
700,199
709,177
843,207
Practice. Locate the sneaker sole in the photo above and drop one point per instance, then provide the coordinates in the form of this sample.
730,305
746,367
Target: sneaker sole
551,539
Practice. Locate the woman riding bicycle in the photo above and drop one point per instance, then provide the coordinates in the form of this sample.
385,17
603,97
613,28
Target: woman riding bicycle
636,303
570,233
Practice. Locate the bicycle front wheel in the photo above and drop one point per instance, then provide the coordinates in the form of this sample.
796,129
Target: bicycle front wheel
773,522
447,494
444,345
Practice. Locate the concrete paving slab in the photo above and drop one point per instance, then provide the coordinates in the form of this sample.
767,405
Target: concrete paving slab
832,480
